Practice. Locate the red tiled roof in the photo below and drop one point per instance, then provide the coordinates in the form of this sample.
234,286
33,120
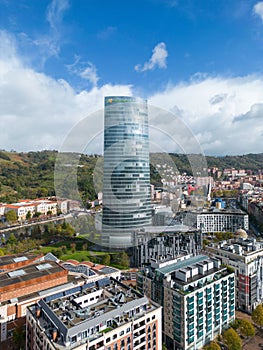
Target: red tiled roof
72,261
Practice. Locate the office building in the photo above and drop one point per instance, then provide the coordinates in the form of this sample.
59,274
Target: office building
245,256
100,315
197,295
126,174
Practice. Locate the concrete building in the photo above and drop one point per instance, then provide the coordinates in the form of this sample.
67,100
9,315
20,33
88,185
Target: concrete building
245,256
100,315
164,243
197,295
126,173
216,220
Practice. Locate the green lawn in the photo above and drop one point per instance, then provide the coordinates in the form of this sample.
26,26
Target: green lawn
79,256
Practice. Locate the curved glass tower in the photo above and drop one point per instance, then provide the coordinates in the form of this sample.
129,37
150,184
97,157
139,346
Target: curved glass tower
126,177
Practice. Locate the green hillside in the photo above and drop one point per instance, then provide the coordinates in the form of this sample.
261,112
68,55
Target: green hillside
31,175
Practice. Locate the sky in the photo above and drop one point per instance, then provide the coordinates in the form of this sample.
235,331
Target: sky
199,60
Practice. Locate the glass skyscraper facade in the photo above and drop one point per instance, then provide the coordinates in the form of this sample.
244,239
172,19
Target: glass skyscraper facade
126,176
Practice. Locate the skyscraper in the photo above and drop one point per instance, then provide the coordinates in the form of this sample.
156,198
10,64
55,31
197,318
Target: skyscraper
126,176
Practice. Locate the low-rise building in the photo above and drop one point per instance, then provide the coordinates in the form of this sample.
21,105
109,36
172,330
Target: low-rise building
22,287
104,314
197,295
16,261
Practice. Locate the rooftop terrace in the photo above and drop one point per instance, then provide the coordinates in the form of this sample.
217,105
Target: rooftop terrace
89,310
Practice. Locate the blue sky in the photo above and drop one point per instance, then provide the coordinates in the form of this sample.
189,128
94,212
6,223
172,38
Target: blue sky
201,60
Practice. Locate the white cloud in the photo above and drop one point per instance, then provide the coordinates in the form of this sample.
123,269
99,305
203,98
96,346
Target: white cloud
225,114
258,9
85,70
158,59
55,12
45,45
37,111
90,74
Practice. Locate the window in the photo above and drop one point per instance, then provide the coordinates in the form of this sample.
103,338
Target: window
114,336
128,330
108,340
74,339
153,318
121,333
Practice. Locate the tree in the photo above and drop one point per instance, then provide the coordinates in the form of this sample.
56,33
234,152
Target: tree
73,247
85,246
11,216
257,315
28,215
124,260
246,328
212,346
12,239
64,249
232,339
106,259
19,338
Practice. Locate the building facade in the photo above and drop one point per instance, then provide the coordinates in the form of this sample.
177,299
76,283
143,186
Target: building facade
22,287
245,256
197,295
164,245
126,174
217,220
99,315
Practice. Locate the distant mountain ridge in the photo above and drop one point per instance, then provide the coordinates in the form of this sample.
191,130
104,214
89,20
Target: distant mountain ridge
31,174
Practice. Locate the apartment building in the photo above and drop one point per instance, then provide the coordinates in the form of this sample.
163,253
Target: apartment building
216,220
100,315
245,256
44,206
197,295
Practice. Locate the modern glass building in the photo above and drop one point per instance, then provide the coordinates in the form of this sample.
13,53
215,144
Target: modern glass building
126,176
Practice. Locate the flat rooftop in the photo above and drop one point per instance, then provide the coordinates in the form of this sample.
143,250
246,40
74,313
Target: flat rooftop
182,264
17,258
89,309
168,229
29,272
219,211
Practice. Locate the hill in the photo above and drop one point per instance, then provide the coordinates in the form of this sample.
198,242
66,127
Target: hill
31,174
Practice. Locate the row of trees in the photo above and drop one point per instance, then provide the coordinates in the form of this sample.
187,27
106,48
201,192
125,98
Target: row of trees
231,336
245,328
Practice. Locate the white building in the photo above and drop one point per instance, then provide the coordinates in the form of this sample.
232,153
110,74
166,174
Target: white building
216,220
